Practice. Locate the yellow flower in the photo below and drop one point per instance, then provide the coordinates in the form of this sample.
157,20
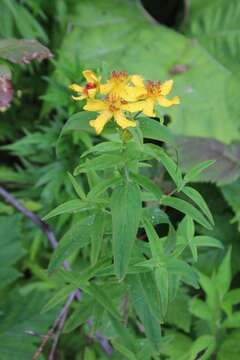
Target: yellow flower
91,87
116,85
111,107
150,94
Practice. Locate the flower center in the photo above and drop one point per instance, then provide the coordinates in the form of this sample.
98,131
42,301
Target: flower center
153,88
119,76
114,102
89,86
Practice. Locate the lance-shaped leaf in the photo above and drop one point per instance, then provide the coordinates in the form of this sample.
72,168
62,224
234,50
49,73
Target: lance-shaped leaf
126,211
150,322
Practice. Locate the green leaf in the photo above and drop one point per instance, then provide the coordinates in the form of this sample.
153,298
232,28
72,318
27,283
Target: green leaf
152,129
184,271
203,240
194,172
126,212
21,315
186,208
97,236
107,146
69,207
230,346
224,275
102,186
219,37
148,185
78,122
101,296
79,316
11,249
202,348
178,312
150,323
74,239
162,281
101,162
77,187
197,198
58,298
200,309
151,294
155,242
158,50
124,334
171,167
123,350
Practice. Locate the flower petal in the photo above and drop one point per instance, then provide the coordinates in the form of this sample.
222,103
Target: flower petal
167,103
76,87
90,76
92,93
166,87
81,97
148,107
122,121
99,123
133,107
135,93
95,105
106,88
137,80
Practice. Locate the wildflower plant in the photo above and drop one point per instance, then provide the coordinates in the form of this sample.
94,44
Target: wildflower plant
138,261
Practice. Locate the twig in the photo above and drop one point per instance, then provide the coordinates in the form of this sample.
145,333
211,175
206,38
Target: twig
37,221
59,322
60,325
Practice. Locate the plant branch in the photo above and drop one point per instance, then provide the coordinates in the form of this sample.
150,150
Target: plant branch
59,321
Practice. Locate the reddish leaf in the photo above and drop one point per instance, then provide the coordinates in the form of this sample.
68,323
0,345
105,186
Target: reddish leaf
23,51
6,90
193,150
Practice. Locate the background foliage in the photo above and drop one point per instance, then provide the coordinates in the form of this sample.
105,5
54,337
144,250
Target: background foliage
200,51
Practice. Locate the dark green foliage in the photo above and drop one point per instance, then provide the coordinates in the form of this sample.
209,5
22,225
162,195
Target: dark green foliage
148,219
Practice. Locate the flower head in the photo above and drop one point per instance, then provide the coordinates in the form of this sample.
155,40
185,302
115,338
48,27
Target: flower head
111,107
117,84
120,94
91,87
152,93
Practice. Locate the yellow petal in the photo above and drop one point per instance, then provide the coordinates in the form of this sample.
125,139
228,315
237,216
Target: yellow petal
122,121
137,80
81,97
92,93
167,103
76,87
106,88
90,76
95,105
166,87
133,107
99,123
134,93
148,107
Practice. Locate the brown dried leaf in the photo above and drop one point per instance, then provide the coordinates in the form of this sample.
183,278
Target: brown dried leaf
193,150
23,51
6,90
